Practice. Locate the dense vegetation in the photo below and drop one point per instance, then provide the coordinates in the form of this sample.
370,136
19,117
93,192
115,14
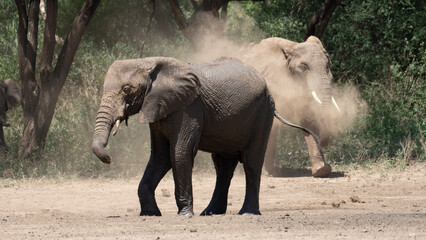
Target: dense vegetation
378,46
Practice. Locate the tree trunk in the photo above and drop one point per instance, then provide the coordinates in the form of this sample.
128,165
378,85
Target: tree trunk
39,99
204,22
318,23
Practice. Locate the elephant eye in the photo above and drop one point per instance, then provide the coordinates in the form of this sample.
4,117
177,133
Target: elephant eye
127,89
303,67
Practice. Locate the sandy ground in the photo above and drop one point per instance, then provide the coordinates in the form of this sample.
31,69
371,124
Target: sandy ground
361,204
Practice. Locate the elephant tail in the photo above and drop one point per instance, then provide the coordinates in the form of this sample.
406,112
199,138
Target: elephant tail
285,121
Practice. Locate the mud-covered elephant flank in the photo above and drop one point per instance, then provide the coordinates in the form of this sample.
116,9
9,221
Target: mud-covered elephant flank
223,108
10,95
302,73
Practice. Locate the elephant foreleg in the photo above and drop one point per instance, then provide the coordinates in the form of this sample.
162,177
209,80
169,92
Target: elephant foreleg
182,164
319,167
183,148
158,165
225,167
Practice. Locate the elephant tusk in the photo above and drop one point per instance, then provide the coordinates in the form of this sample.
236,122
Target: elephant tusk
314,94
117,124
335,103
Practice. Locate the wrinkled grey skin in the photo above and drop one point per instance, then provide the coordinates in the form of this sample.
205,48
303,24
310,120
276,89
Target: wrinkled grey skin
10,95
223,108
292,71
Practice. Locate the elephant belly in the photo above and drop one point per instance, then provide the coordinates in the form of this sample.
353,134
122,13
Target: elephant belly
230,135
220,145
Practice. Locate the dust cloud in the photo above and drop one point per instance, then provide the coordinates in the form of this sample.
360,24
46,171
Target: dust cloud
236,41
290,97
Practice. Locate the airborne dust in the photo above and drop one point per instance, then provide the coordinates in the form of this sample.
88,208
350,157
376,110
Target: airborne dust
212,45
212,42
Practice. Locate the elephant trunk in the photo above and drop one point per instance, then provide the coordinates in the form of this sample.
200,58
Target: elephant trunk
324,97
325,92
104,122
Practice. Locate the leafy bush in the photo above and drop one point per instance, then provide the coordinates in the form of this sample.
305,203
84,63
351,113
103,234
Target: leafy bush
380,46
8,43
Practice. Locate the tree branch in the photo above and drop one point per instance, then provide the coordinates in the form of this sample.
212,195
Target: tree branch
224,13
27,52
148,29
32,31
163,18
178,14
195,4
49,37
22,35
318,23
66,56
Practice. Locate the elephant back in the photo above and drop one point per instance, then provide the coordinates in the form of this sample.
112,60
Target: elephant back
230,86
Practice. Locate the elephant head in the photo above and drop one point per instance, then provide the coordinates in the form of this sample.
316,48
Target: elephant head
154,87
305,69
10,95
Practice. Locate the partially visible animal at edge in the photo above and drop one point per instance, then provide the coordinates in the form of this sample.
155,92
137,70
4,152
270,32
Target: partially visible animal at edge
299,78
223,107
10,95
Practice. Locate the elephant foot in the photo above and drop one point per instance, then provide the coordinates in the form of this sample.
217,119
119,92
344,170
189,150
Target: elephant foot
323,170
213,211
186,213
249,212
146,212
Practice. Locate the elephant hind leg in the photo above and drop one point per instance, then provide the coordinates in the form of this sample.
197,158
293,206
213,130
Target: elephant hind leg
225,167
251,201
252,158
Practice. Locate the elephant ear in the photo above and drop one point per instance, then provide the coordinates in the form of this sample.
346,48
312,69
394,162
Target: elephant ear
284,46
173,87
13,92
276,45
313,39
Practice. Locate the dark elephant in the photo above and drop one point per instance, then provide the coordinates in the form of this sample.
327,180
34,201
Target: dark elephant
223,108
299,78
10,95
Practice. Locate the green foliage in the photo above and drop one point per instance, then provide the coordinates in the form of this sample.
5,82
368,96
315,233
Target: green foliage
283,18
8,42
380,46
291,146
397,112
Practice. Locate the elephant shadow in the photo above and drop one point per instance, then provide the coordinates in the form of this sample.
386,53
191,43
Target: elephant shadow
285,172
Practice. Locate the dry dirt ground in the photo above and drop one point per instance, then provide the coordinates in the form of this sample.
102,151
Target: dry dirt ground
359,204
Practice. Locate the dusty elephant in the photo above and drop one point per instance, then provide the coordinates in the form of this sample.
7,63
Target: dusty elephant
223,108
299,78
10,95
